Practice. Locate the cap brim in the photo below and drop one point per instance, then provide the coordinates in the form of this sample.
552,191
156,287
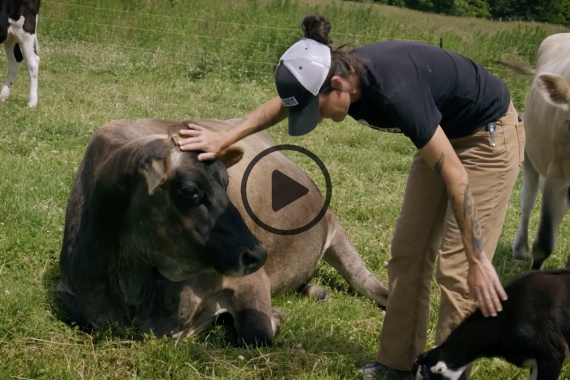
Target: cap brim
306,119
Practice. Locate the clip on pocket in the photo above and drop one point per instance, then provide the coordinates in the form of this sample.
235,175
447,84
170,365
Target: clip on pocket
491,128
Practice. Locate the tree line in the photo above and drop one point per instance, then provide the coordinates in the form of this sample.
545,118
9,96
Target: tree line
550,11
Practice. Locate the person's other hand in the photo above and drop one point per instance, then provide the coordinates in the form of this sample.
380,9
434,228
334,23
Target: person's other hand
199,138
485,287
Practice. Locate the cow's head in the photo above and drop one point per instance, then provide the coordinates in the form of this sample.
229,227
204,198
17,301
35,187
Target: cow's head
180,216
555,90
431,366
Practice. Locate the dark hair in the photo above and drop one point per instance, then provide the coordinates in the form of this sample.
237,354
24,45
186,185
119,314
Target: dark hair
317,28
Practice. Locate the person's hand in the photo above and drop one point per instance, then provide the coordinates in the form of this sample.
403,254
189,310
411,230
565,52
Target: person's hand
485,287
201,139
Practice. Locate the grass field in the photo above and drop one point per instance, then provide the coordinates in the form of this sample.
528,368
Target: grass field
163,59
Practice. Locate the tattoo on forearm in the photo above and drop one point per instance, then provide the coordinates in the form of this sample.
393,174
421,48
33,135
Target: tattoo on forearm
468,217
439,165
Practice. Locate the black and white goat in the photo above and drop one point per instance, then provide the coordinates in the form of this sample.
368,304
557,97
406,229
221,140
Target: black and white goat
532,331
18,24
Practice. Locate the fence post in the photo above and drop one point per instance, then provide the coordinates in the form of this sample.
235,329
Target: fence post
441,43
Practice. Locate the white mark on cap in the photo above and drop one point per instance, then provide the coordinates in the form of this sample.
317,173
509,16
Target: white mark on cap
290,102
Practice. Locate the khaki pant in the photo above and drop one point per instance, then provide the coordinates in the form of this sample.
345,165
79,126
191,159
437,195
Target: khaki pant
426,228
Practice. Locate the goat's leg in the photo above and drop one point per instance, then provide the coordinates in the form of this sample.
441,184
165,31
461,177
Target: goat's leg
529,193
547,369
15,58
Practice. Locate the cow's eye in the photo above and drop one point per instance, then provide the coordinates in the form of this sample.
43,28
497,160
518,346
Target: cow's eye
190,192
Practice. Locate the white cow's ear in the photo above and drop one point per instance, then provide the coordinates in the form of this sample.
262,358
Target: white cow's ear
554,89
231,156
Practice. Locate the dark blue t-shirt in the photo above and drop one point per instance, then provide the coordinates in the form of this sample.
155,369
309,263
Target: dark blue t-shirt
411,87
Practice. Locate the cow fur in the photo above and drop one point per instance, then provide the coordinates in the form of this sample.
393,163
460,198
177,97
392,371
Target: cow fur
532,331
18,34
547,155
98,286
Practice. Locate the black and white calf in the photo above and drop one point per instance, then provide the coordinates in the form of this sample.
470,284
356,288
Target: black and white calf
532,331
18,24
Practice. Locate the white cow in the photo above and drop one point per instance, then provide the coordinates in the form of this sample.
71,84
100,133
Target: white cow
18,34
547,151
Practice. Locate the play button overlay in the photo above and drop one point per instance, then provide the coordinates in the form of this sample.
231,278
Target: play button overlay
284,190
280,196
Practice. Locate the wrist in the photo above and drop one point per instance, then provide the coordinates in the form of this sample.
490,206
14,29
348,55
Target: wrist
226,139
475,259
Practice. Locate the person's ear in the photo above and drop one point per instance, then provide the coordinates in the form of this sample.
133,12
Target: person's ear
337,83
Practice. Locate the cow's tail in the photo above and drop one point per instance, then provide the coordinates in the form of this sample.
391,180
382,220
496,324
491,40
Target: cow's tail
343,256
519,69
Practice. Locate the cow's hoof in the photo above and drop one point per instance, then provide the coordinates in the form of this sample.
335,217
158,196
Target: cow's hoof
520,251
278,316
4,94
32,104
314,292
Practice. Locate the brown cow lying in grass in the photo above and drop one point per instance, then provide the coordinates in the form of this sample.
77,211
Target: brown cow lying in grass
157,239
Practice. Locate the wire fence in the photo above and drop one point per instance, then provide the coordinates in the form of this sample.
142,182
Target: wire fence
261,67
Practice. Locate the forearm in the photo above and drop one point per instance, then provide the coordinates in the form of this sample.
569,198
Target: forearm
440,156
265,116
465,211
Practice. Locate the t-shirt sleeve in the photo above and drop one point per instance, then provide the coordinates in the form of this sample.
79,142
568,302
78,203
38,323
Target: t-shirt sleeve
413,110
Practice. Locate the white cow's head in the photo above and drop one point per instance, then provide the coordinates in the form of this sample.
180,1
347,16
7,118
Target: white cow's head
555,90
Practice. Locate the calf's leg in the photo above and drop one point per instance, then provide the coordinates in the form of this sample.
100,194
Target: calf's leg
554,206
529,193
15,58
547,369
28,46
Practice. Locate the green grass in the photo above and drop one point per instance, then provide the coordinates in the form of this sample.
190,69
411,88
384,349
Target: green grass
85,81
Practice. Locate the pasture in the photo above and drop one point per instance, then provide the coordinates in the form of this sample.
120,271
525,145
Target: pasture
178,59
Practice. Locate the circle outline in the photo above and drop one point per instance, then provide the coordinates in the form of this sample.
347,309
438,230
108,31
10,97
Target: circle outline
258,158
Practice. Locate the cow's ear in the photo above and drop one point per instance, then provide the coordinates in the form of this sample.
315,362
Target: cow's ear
554,89
231,156
155,170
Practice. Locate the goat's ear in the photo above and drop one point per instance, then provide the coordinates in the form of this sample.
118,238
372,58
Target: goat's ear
440,367
231,156
554,89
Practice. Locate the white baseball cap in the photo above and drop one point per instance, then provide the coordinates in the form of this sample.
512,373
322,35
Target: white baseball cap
301,72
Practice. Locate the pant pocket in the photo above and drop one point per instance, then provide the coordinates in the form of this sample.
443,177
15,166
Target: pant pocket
519,127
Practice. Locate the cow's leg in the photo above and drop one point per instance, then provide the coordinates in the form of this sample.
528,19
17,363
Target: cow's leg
554,206
343,256
72,309
15,58
254,319
529,193
28,46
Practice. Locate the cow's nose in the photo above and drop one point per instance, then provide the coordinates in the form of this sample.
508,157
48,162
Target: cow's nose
253,259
